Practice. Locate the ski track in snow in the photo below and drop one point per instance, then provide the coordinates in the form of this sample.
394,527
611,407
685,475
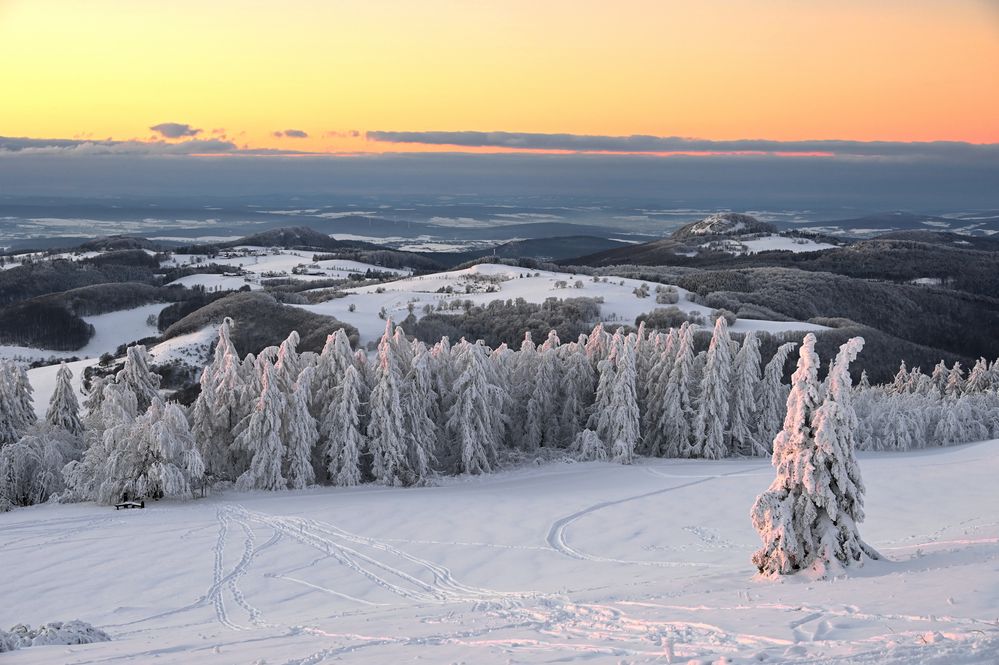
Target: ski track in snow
556,537
479,623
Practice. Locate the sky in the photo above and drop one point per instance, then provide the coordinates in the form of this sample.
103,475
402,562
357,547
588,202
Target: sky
889,80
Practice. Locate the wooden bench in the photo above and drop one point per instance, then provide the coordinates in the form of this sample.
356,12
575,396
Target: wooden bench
130,504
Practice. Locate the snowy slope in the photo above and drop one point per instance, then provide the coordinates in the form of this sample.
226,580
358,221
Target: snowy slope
110,331
263,263
593,562
621,305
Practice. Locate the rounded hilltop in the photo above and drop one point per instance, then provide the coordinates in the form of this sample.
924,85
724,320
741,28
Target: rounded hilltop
724,224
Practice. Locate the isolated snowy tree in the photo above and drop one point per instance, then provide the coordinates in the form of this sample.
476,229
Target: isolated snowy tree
808,517
386,429
341,428
773,396
64,408
299,433
137,375
260,436
743,434
712,411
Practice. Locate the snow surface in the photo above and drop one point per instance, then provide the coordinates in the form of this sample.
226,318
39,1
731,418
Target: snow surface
776,242
279,263
621,305
595,562
110,331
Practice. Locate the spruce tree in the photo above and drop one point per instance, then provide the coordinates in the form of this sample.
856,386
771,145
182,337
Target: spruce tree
808,517
260,437
341,429
299,433
743,434
64,408
712,412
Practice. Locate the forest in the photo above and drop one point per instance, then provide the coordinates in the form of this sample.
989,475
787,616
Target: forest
411,412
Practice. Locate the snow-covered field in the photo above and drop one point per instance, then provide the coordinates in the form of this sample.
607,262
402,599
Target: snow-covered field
783,243
592,562
620,305
110,331
261,263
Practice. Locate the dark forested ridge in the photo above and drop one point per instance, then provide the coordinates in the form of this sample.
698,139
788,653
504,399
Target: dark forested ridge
262,321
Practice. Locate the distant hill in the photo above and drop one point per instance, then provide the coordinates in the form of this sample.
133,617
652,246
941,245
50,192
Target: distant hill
723,224
290,237
118,243
261,321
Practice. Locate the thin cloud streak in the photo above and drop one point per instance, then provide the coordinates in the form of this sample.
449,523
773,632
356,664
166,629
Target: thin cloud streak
674,144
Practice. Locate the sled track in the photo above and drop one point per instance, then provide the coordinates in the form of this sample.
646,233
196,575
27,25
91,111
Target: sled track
556,538
345,547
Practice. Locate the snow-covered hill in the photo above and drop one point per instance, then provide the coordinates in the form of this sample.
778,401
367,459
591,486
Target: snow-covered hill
486,282
724,223
595,562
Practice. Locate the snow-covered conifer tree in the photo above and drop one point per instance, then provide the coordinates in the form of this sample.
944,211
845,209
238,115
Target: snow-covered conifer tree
386,428
808,517
955,381
341,429
743,433
542,425
140,379
299,433
419,403
712,411
615,417
579,384
472,419
64,408
219,407
17,413
260,436
773,396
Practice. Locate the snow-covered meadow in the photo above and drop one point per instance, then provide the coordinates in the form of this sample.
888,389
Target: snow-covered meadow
111,330
596,562
364,306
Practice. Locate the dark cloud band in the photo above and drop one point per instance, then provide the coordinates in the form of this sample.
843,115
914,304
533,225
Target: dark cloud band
675,144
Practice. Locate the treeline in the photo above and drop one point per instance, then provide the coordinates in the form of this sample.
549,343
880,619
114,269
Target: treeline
46,276
54,321
289,419
506,321
951,321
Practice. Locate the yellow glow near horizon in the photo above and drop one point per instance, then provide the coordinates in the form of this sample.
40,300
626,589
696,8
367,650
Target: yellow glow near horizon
911,70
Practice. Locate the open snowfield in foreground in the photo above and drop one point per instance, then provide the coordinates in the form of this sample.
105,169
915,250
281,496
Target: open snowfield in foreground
591,562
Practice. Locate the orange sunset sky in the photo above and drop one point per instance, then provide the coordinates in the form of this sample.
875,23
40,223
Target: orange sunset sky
906,70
